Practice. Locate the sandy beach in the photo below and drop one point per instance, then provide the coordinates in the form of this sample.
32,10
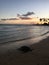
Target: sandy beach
24,32
38,56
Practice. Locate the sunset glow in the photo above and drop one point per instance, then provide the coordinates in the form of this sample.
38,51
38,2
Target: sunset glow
23,11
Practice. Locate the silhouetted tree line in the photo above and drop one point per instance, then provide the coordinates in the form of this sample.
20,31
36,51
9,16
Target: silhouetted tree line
44,20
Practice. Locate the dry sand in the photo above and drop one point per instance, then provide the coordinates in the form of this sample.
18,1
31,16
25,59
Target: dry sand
38,56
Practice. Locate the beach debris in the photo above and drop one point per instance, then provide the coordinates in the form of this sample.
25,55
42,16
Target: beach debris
25,49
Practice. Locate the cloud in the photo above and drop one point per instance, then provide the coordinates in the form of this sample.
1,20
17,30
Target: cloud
13,19
9,19
25,16
28,14
18,15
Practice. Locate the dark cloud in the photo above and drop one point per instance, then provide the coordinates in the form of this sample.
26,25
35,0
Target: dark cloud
25,18
28,14
9,19
13,19
18,15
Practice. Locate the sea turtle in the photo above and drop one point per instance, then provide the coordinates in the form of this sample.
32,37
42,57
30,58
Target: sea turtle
25,49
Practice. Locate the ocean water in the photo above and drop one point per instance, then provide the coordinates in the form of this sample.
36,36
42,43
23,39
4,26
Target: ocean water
17,33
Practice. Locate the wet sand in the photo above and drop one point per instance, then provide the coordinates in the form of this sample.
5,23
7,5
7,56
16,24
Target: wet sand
38,56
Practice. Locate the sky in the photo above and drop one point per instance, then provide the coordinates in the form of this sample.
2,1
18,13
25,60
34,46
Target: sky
10,8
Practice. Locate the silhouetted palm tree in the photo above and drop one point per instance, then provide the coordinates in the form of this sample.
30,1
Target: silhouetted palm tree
40,20
45,21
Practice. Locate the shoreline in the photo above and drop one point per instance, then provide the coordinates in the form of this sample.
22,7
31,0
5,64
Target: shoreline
26,24
38,56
